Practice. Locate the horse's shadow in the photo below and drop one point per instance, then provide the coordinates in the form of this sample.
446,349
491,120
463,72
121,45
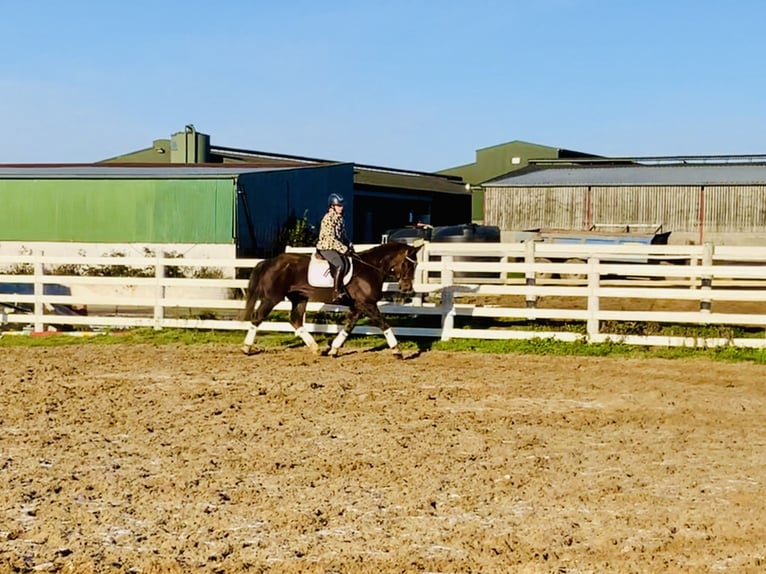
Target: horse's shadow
383,347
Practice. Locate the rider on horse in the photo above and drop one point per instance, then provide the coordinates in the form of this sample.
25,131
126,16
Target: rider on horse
333,244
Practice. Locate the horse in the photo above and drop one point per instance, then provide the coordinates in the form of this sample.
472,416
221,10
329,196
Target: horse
286,276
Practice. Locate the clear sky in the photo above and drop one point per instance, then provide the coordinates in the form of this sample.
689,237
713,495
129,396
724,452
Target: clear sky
413,84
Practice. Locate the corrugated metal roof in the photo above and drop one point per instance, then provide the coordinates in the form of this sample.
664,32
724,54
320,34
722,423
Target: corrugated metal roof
364,174
407,181
637,175
89,171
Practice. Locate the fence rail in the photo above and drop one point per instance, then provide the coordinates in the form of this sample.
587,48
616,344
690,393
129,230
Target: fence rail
460,286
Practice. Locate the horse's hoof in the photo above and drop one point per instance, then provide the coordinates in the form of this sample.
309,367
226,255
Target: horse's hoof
332,352
247,349
317,351
397,353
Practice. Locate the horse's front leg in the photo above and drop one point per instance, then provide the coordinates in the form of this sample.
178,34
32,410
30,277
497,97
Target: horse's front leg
378,320
351,318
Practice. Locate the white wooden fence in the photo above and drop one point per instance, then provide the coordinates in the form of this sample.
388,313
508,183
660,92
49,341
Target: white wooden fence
457,284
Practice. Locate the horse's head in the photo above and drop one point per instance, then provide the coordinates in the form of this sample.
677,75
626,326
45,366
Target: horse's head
401,266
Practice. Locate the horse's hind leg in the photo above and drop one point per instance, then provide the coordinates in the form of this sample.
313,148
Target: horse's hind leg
247,345
296,320
262,310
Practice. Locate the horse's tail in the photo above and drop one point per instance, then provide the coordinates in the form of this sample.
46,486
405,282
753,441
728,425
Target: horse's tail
254,290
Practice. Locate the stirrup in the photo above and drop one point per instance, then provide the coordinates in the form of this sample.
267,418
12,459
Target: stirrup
339,292
338,296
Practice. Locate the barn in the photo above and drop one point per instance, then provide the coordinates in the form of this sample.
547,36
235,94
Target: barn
223,201
698,199
223,210
501,159
379,199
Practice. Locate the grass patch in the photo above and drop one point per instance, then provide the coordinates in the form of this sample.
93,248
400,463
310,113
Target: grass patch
536,346
550,347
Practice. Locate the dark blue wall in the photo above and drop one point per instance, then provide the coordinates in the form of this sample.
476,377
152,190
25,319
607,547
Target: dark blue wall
267,200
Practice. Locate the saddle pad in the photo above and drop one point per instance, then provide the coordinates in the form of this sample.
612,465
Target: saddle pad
320,276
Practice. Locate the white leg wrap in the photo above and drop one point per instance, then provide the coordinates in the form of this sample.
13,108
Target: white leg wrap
338,341
390,338
306,336
250,337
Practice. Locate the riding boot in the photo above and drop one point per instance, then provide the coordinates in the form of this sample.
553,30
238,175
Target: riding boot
339,291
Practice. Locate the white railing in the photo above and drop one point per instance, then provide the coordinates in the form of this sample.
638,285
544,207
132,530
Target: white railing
459,284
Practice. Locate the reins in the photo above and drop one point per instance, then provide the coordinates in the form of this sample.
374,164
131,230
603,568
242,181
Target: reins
357,257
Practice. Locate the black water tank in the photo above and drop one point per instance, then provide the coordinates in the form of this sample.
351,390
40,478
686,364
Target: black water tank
409,235
466,233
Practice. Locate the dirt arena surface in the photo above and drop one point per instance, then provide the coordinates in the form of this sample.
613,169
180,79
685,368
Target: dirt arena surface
199,459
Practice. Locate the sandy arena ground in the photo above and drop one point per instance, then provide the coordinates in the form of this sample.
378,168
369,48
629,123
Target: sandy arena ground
199,459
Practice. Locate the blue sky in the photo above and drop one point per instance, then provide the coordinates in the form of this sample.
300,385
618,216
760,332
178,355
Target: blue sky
413,84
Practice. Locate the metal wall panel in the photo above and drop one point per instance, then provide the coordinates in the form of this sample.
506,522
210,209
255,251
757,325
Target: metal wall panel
678,208
267,201
530,208
675,208
117,210
735,209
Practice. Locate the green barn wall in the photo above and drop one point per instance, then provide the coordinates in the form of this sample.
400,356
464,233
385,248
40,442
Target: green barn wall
118,211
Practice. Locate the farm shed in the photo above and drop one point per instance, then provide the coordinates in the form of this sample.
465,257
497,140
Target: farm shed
385,198
724,203
500,160
380,198
229,209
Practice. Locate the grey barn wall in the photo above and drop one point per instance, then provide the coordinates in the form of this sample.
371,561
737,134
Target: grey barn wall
723,214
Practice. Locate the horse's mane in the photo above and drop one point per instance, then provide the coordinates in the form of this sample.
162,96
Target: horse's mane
383,252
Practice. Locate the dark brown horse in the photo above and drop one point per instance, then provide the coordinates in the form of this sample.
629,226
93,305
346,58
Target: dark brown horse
286,276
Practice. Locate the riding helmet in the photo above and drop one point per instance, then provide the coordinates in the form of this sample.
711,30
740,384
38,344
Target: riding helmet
335,199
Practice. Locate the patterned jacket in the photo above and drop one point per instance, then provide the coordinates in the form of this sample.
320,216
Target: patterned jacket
332,233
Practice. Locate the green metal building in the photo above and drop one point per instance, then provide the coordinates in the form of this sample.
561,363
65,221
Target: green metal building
183,190
244,207
380,198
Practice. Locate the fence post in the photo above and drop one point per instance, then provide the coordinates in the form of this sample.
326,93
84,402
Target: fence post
424,255
419,276
39,291
529,274
693,262
447,275
706,281
594,279
159,290
448,298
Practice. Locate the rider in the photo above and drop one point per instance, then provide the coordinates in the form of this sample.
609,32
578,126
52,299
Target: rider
333,244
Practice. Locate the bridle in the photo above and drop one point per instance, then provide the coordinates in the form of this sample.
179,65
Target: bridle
357,258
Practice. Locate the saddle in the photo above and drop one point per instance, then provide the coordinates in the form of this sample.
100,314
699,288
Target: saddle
320,274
